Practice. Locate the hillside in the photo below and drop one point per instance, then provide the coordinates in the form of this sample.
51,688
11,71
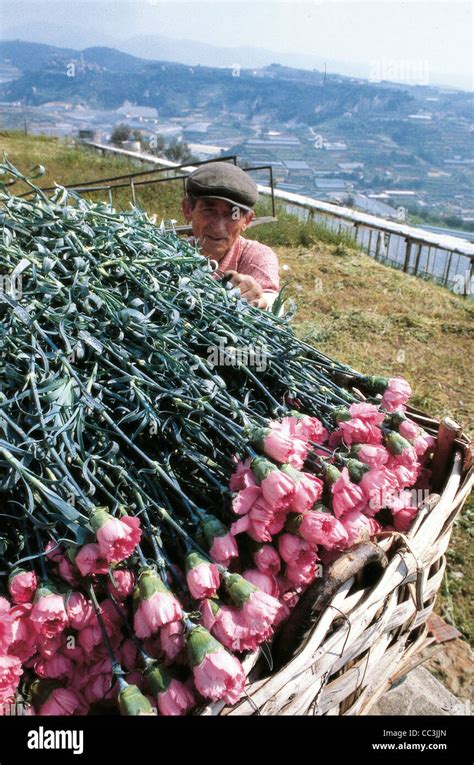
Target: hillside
374,318
353,136
105,78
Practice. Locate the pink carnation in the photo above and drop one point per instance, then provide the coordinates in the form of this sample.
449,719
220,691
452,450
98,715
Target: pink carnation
403,519
90,560
373,455
243,501
378,487
408,458
23,636
396,395
267,560
79,610
359,528
346,495
152,613
403,475
23,586
49,646
300,576
323,529
123,584
176,700
243,476
224,548
10,673
56,667
6,620
256,522
278,489
68,572
424,444
281,446
220,676
408,430
63,701
259,611
306,428
308,489
227,624
367,412
118,538
99,687
296,551
203,580
264,582
172,640
49,614
360,431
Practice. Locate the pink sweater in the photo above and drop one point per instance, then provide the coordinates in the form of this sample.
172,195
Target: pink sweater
252,258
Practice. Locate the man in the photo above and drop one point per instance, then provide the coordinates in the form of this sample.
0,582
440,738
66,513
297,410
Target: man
218,204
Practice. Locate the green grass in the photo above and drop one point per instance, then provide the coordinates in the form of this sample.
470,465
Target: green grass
288,230
67,164
373,317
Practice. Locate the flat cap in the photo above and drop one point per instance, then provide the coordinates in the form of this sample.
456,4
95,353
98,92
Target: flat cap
223,180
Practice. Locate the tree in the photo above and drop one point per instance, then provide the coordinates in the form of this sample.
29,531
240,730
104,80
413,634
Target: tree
120,133
178,151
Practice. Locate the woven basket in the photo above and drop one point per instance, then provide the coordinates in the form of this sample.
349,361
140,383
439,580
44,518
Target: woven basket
366,636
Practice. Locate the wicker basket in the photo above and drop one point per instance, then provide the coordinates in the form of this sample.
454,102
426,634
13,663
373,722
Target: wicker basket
366,636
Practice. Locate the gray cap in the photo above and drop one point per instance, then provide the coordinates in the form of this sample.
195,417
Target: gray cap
223,180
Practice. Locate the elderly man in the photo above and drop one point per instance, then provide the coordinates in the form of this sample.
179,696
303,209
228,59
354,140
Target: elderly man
218,204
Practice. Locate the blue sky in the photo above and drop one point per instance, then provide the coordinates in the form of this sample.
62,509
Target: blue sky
437,34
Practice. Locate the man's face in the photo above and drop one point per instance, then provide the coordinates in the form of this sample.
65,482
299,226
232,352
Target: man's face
216,224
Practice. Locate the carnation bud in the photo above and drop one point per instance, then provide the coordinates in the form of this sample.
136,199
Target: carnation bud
132,702
341,414
357,469
395,443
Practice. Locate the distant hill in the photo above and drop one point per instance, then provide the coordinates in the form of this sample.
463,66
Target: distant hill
105,78
193,52
183,51
30,56
33,57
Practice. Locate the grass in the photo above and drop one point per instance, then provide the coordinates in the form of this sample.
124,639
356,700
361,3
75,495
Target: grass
288,230
373,317
67,164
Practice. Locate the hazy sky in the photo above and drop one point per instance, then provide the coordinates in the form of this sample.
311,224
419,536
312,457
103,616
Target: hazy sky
439,32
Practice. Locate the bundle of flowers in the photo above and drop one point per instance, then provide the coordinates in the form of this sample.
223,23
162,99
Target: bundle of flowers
164,499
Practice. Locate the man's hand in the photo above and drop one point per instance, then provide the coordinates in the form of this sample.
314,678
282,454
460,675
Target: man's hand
249,288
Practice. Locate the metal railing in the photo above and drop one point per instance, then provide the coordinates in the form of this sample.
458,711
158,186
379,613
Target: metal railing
443,258
132,181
